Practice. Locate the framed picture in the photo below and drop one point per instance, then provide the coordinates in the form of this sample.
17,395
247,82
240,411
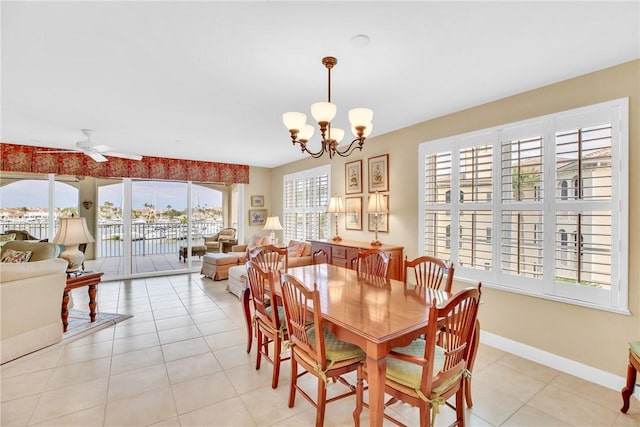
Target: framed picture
379,173
257,216
353,177
383,219
353,213
257,201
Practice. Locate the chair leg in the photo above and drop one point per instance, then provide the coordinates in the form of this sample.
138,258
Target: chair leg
627,391
247,317
359,397
322,402
460,395
276,362
260,343
294,381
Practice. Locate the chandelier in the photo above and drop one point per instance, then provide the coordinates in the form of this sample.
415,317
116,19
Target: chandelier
323,113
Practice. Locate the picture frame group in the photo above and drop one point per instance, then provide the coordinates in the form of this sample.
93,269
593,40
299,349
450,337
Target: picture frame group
257,201
257,217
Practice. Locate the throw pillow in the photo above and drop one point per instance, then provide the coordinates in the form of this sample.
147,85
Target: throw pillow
297,248
16,256
7,237
293,248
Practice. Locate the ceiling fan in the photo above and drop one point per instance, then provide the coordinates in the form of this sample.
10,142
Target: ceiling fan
96,152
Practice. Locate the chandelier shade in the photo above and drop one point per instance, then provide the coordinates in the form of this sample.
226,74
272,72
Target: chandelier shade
323,113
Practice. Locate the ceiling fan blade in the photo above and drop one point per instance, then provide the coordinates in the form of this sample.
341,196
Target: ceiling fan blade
122,155
97,157
100,148
59,151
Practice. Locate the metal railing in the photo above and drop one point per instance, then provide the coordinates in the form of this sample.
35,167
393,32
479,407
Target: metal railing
147,239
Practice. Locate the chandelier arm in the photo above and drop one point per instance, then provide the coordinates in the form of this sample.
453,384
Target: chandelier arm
351,148
304,149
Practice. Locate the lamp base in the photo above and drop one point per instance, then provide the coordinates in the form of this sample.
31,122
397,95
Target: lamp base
74,257
336,238
376,243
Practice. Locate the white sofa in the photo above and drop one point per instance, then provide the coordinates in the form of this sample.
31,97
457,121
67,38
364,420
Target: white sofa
31,299
299,254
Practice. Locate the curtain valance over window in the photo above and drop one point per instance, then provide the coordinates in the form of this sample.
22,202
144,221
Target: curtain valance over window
27,158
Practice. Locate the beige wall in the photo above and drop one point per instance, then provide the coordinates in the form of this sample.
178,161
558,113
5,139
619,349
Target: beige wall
593,337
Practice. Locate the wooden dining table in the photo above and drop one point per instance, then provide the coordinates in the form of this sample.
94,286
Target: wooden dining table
375,314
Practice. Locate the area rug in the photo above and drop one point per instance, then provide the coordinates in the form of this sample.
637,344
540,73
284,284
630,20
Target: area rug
80,324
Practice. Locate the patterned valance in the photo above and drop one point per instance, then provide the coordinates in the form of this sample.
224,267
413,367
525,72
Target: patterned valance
27,158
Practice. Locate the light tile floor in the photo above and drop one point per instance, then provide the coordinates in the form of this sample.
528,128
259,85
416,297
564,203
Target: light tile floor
181,361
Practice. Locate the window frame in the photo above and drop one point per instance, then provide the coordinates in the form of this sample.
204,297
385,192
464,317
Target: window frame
319,209
552,203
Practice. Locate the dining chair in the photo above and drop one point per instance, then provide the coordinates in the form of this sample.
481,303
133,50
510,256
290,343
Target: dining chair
270,257
429,272
371,262
429,371
320,257
269,320
314,347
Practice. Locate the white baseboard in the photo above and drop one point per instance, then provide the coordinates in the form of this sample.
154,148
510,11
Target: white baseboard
577,369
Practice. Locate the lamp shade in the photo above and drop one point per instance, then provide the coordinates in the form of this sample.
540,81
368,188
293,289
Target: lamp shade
335,205
377,204
73,231
336,134
294,120
273,223
323,111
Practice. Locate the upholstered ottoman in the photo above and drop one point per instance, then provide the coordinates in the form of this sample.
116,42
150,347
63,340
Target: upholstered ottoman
216,265
237,279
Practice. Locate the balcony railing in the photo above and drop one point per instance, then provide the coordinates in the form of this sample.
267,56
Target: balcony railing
147,239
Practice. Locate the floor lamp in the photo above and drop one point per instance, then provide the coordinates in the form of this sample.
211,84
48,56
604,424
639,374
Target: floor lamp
336,207
377,206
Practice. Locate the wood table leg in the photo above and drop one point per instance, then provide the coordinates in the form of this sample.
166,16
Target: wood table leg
65,310
376,372
627,391
92,302
246,296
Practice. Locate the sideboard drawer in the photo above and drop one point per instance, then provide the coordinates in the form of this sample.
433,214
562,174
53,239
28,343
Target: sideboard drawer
344,252
339,252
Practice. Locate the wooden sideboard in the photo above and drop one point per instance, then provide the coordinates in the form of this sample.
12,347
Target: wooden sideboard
341,253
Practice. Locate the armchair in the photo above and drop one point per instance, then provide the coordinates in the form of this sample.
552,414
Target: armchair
223,239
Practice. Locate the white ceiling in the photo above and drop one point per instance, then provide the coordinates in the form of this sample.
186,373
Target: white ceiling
210,80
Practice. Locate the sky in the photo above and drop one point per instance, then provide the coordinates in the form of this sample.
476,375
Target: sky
34,194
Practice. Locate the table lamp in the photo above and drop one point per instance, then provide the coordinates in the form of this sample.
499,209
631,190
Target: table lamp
71,233
377,206
336,207
273,224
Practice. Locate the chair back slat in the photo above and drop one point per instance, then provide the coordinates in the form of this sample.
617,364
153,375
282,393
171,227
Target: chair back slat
453,331
270,258
372,262
263,294
429,272
302,313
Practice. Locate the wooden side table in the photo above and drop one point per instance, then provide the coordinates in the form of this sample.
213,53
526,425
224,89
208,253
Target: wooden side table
89,279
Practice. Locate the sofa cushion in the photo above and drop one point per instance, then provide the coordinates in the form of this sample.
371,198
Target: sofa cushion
256,241
297,248
12,256
7,237
41,250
